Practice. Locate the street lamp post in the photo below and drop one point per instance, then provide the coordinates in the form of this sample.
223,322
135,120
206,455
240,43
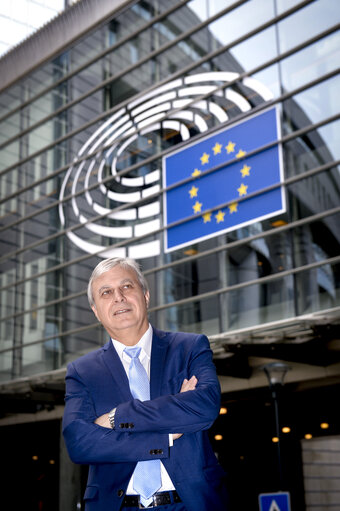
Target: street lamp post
276,372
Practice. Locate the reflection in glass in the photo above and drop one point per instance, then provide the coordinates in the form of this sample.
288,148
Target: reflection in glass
312,62
312,19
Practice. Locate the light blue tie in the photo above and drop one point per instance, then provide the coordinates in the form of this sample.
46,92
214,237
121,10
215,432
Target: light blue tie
147,474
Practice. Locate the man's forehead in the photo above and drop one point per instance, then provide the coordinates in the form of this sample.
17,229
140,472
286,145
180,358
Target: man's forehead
117,275
119,282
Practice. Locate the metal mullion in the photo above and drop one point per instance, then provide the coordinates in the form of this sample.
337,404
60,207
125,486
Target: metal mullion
226,246
189,68
284,139
200,297
44,306
245,241
241,285
286,183
130,68
52,337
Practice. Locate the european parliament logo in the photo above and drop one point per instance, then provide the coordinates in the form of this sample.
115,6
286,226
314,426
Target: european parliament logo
224,182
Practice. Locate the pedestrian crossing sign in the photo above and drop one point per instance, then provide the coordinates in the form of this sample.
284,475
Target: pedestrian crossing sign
274,501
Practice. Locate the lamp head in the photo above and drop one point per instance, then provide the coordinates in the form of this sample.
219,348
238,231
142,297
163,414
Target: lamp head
276,372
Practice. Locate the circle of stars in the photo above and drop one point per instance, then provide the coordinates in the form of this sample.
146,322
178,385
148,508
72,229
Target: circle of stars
242,189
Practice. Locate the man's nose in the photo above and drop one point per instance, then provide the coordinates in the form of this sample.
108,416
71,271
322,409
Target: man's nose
118,296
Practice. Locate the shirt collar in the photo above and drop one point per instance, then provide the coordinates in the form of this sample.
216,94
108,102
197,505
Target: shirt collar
145,342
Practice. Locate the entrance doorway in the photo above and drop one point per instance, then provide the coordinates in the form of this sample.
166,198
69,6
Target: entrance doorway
30,455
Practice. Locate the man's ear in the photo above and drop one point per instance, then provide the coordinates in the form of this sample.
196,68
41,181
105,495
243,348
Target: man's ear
93,307
147,298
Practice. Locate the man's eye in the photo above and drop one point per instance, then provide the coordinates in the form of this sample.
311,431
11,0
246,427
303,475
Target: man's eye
107,292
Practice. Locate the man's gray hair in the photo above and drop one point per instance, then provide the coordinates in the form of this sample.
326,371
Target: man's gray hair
107,265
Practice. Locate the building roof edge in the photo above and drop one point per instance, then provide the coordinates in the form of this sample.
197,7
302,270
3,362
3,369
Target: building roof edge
55,36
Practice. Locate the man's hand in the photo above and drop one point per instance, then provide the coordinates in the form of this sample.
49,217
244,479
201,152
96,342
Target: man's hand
189,384
186,385
103,421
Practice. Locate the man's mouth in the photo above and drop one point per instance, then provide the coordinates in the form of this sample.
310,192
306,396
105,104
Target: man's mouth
121,311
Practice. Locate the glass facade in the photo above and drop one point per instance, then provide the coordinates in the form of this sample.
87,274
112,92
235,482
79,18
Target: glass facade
82,140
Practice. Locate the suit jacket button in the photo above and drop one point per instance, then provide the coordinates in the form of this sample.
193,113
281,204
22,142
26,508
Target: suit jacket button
120,493
121,425
131,425
160,451
152,451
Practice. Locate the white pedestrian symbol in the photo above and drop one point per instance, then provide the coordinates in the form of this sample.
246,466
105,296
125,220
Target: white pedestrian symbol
274,506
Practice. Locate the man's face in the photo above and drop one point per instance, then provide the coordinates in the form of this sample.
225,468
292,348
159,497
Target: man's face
120,305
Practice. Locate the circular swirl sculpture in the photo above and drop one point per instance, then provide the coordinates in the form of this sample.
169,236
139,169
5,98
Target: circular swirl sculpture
109,209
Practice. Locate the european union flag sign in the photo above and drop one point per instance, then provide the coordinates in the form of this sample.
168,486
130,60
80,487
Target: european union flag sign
211,203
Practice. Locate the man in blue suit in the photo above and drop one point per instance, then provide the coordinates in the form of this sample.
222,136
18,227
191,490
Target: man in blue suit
120,435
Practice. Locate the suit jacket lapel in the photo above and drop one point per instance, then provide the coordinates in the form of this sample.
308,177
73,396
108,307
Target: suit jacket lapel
160,344
115,366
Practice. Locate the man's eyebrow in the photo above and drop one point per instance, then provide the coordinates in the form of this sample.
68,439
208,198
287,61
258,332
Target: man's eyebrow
104,287
107,286
126,281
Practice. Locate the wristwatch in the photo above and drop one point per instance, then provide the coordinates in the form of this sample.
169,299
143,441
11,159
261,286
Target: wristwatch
112,417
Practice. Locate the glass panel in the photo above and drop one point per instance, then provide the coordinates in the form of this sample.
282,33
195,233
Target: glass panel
7,307
34,169
307,22
10,127
10,99
260,303
207,8
318,289
320,101
284,5
241,20
79,344
199,317
314,148
9,155
256,50
8,185
312,62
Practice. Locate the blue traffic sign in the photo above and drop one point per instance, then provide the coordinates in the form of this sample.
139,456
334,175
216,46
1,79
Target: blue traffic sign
274,501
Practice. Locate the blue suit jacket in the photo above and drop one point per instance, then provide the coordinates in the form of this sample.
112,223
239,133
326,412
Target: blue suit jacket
97,382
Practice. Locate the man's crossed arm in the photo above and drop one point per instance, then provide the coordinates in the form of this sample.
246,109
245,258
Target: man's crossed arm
187,385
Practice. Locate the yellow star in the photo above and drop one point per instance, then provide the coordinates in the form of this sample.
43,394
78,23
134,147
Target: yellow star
230,147
204,158
217,148
197,207
193,192
240,154
196,173
245,170
220,216
233,207
207,217
242,190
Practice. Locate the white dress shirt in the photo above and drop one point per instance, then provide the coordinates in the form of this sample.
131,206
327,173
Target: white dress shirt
145,357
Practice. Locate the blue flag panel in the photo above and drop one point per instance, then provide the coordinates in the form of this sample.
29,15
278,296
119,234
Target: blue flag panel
228,184
274,501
